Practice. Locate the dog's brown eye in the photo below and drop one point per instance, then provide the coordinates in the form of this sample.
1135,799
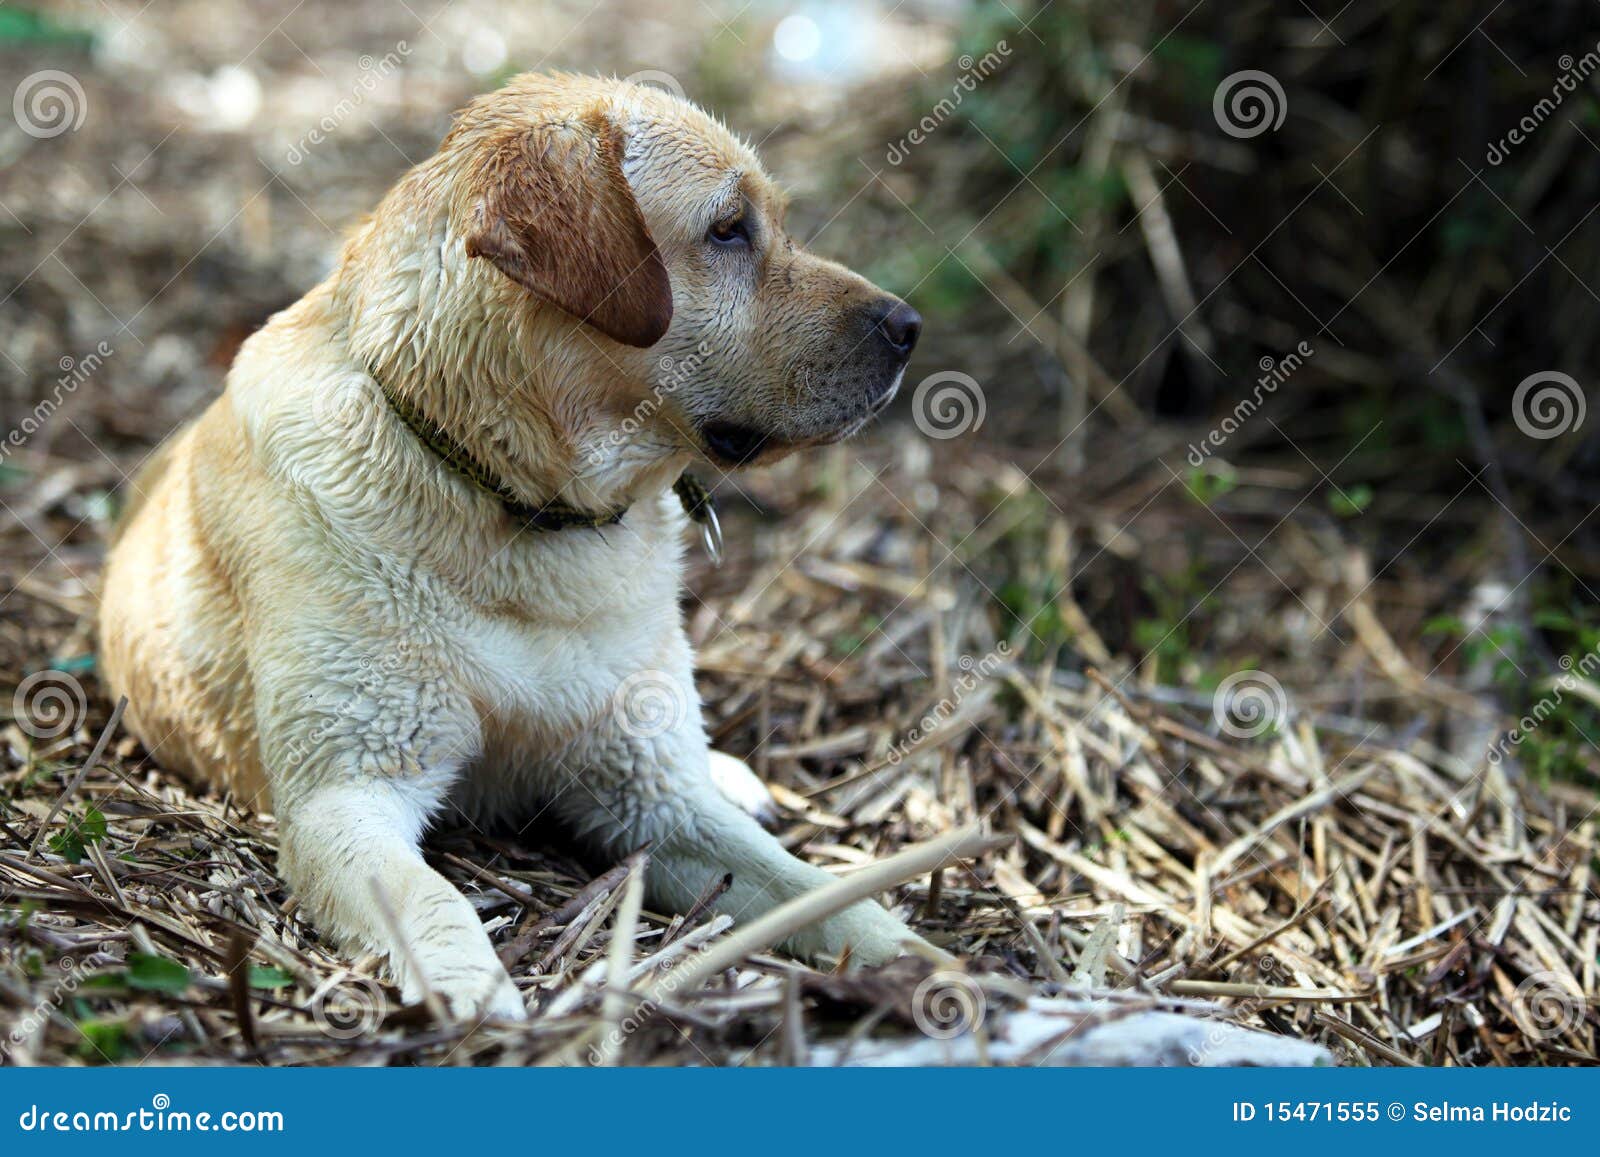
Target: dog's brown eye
730,233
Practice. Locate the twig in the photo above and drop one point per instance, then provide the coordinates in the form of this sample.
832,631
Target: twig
787,919
619,954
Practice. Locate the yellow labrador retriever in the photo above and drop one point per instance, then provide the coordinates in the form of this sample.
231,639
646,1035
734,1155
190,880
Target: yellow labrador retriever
423,556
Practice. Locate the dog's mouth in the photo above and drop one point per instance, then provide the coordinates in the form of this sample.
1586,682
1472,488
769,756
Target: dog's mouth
733,444
881,402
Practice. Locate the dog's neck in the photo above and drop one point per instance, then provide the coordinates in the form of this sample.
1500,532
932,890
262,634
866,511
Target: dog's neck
456,340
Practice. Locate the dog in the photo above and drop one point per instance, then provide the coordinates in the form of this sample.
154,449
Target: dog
422,558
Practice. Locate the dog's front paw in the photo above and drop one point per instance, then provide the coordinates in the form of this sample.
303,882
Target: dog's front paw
470,992
742,787
864,934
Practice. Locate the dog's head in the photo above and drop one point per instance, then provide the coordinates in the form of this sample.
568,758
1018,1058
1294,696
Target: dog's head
653,239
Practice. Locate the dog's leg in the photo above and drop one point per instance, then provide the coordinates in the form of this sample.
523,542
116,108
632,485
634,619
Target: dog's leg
363,752
621,791
350,852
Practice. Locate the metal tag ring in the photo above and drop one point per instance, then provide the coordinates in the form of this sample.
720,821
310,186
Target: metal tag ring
711,535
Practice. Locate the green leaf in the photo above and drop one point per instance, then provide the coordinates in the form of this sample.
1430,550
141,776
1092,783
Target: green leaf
265,977
1196,61
103,980
102,1040
1206,484
156,973
1554,619
1351,502
71,842
25,26
1447,625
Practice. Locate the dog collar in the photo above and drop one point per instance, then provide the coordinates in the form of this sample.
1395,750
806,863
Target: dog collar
551,515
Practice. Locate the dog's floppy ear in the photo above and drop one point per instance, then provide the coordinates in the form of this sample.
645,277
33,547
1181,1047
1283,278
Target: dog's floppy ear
556,214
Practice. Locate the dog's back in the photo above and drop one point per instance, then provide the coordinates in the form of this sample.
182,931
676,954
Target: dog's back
168,633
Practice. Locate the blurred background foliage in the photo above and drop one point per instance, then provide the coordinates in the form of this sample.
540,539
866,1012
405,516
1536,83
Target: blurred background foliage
1107,263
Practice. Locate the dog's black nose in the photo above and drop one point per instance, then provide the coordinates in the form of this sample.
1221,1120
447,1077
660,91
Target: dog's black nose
900,326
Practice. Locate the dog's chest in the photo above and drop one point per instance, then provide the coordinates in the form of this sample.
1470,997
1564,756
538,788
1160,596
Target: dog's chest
544,683
563,631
